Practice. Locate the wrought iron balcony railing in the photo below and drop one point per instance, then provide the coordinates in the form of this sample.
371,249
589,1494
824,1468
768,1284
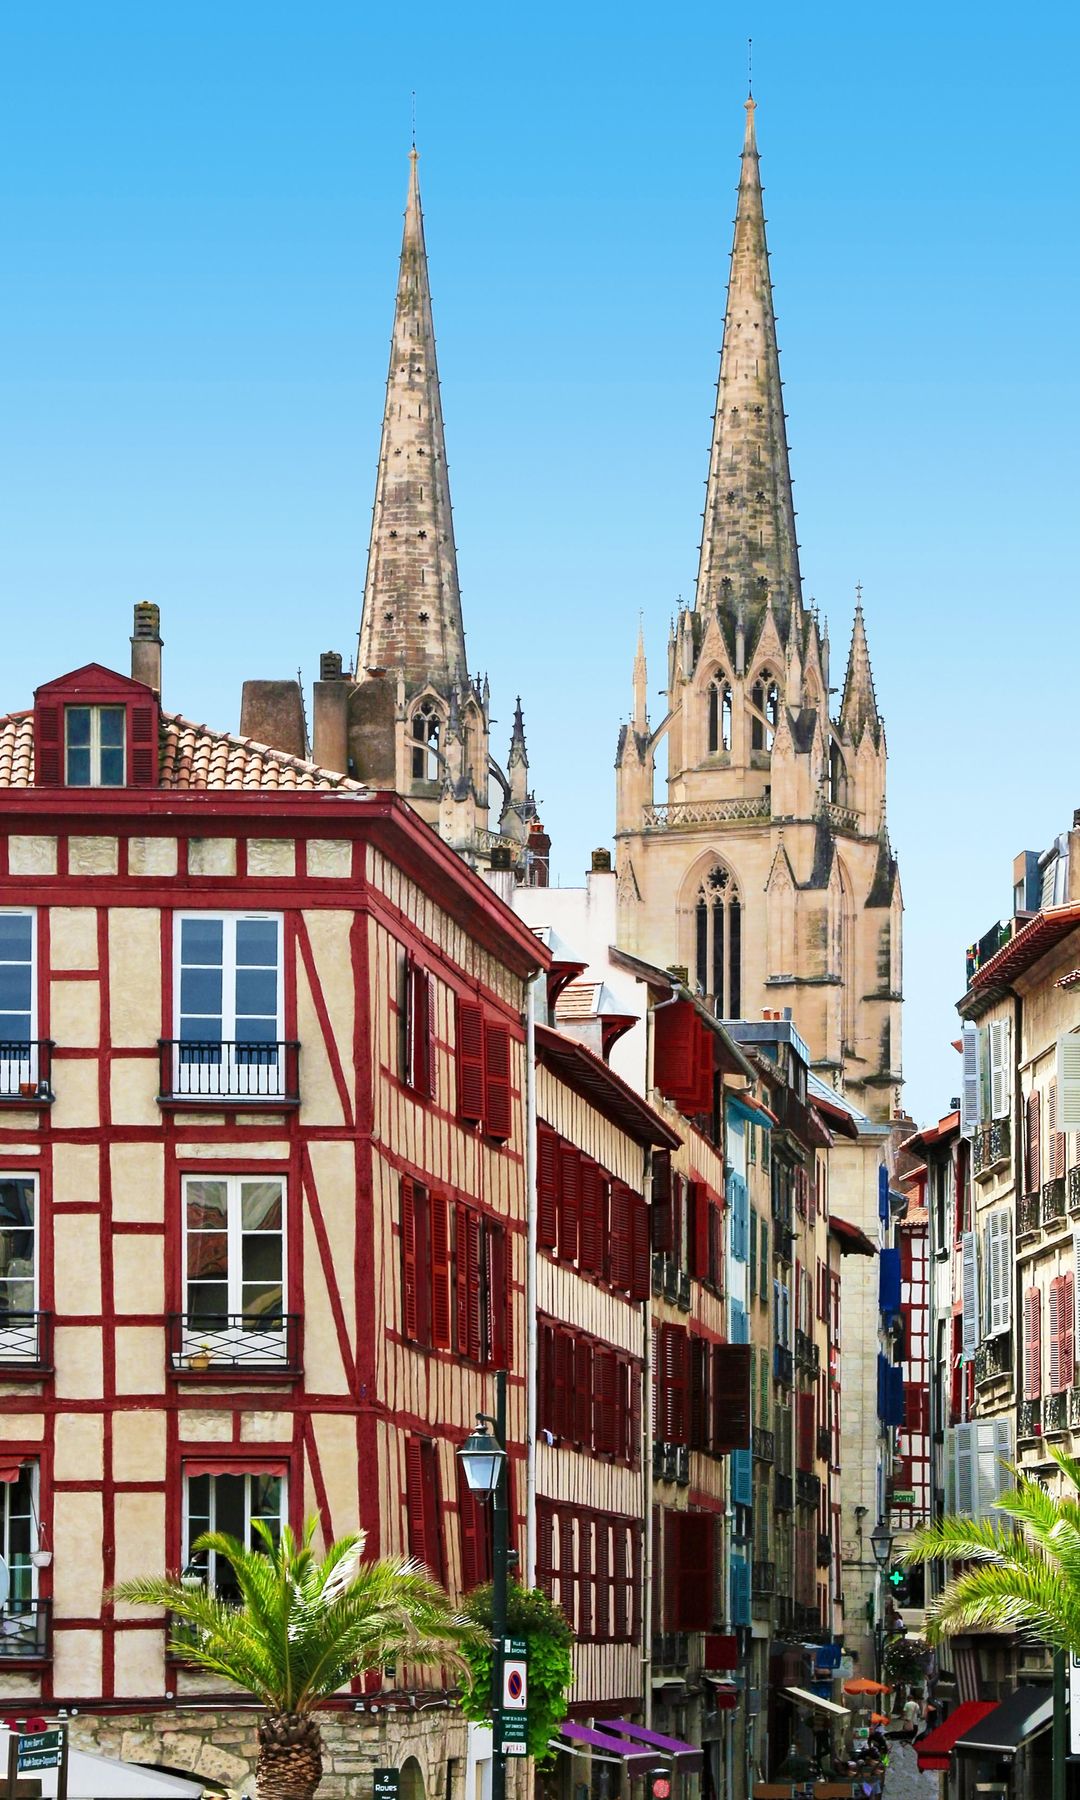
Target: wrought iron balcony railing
1027,1214
1073,1184
25,1343
764,1445
993,1359
1055,1412
807,1488
26,1072
1029,1419
990,1148
234,1344
252,1073
763,1578
1074,1409
25,1632
807,1619
783,1364
1053,1201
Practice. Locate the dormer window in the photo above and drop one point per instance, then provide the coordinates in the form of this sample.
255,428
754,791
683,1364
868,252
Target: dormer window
94,746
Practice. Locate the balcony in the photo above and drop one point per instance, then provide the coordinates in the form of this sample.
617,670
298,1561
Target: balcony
763,1579
764,1445
1052,1208
687,815
993,1359
247,1074
824,1445
671,1649
807,1354
682,1299
1073,1198
784,1243
26,1072
783,1364
807,1488
1055,1413
785,1493
824,1550
25,1344
25,1632
1074,1409
807,1620
1029,1419
1027,1214
991,1148
236,1344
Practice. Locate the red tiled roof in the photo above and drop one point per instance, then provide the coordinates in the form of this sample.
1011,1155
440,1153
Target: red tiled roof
190,757
1033,940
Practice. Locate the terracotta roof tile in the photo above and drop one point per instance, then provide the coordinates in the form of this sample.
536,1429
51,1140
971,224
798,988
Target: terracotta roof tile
190,757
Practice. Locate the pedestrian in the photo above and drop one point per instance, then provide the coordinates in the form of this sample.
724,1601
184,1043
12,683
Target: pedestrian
912,1715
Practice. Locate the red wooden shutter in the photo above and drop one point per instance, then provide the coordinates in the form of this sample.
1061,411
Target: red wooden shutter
545,1386
410,1301
475,1336
564,1384
422,1505
804,1443
470,1061
1067,1316
1057,1138
620,1612
420,1070
1056,1382
143,751
1034,1157
1032,1344
633,1439
698,1229
498,1113
569,1201
716,1247
469,1529
675,1053
433,1536
602,1589
699,1394
661,1210
440,1271
620,1247
414,1500
622,1409
497,1294
690,1570
583,1394
604,1401
731,1405
635,1582
585,1577
674,1375
547,1186
545,1521
640,1264
48,746
591,1237
567,1563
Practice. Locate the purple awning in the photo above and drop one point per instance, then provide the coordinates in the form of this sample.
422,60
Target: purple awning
637,1762
687,1757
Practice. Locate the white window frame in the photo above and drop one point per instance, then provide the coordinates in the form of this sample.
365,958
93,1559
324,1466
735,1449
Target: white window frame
246,1478
18,1616
95,709
19,1343
232,1076
235,1343
18,1072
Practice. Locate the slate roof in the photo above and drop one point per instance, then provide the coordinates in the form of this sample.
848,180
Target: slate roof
190,757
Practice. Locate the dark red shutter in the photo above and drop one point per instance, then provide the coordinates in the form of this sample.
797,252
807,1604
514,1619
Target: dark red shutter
693,1576
545,1384
474,1341
583,1394
674,1384
622,1409
699,1394
620,1610
716,1247
143,753
470,1061
498,1296
422,1505
440,1271
498,1114
421,1061
804,1441
591,1238
731,1397
1034,1158
620,1250
544,1545
410,1304
564,1384
640,1261
676,1053
604,1400
699,1230
474,1519
569,1201
585,1577
661,1209
602,1561
48,746
633,1441
547,1186
567,1563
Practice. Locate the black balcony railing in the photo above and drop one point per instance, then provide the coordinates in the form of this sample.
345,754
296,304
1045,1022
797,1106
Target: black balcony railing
671,1649
783,1364
763,1578
234,1344
993,1359
1027,1214
25,1342
785,1493
1073,1184
764,1445
1053,1201
26,1072
807,1619
25,1631
1029,1419
1055,1412
807,1488
990,1148
216,1071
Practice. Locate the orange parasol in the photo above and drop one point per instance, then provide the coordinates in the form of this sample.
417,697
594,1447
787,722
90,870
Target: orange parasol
861,1685
879,1718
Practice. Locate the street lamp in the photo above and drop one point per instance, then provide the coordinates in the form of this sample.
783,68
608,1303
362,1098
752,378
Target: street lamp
881,1543
483,1460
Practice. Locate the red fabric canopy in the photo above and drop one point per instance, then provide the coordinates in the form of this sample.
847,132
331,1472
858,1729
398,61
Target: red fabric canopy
932,1752
230,1465
10,1471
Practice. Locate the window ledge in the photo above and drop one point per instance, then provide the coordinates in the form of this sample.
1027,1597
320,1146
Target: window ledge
230,1102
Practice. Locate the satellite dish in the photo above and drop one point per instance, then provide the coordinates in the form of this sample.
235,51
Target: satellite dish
5,1582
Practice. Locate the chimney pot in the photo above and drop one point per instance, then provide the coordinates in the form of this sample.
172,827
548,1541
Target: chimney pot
330,665
146,645
601,862
500,857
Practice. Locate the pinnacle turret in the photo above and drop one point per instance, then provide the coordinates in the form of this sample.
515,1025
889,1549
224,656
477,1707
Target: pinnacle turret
748,548
858,708
411,621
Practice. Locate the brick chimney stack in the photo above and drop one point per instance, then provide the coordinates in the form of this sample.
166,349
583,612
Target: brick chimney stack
146,645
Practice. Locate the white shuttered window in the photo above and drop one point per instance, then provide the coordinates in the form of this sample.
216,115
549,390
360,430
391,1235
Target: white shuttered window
1068,1082
1000,1094
970,1276
969,1104
998,1272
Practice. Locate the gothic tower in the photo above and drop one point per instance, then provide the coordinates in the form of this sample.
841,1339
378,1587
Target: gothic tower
766,871
413,718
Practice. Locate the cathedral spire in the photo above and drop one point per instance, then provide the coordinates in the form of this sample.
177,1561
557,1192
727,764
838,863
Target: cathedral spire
411,620
748,547
858,708
641,682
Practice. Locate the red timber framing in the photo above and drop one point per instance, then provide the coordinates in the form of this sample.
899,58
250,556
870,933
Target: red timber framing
179,1379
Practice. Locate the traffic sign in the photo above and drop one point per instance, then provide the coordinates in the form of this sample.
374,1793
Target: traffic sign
386,1783
513,1722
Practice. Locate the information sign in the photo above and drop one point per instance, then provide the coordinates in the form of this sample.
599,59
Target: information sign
39,1750
513,1715
386,1783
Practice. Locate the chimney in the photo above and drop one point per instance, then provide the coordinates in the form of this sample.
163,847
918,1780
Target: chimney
272,712
146,645
330,715
537,855
601,862
500,856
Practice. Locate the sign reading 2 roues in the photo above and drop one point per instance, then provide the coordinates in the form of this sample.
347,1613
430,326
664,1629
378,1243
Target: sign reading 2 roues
386,1783
513,1721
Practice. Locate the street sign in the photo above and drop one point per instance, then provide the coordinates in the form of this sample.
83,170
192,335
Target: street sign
1074,1705
39,1750
386,1783
513,1733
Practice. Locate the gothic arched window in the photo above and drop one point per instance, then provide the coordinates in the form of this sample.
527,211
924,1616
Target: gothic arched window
718,942
426,727
765,700
719,716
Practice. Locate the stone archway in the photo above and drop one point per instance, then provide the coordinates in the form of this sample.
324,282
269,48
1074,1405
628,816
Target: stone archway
411,1780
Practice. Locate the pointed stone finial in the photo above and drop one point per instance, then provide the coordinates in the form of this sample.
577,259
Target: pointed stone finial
750,139
858,708
641,683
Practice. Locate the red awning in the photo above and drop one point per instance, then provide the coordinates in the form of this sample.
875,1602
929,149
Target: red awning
10,1471
933,1751
850,1236
232,1465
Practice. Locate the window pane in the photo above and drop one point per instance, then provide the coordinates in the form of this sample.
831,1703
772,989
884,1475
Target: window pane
16,937
208,1255
261,1259
15,987
111,768
78,727
17,1205
78,768
256,943
266,1502
229,1508
207,1305
206,1205
260,1205
111,727
200,992
256,994
201,941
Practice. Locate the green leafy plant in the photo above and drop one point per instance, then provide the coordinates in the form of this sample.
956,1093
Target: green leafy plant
532,1616
906,1659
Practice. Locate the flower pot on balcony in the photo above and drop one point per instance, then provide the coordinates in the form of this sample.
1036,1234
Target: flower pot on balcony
28,1090
199,1359
41,1558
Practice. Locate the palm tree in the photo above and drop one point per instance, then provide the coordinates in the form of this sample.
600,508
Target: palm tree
301,1630
1023,1570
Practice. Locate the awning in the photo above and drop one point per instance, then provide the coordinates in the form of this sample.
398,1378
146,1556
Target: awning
232,1465
687,1757
10,1471
635,1762
851,1238
933,1751
808,1699
748,1106
1019,1716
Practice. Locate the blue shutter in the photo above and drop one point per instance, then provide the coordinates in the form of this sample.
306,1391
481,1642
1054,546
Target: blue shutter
889,1281
739,1202
882,1387
742,1479
740,1591
896,1396
883,1193
740,1324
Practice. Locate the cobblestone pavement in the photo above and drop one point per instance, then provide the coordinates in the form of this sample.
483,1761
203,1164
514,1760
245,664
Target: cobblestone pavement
903,1780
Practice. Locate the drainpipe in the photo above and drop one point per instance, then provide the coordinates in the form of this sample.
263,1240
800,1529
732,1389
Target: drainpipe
531,1328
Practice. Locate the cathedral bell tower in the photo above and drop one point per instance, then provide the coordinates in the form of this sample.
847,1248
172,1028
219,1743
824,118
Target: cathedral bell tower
766,869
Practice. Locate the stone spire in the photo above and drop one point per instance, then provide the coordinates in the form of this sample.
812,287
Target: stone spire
517,766
858,708
641,679
411,621
748,546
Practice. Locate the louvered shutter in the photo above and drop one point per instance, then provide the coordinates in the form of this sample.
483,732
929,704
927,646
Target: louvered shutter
620,1248
583,1395
497,1294
742,1478
604,1399
48,746
602,1584
469,1532
675,1052
622,1410
585,1577
564,1384
547,1188
970,1293
1034,1157
699,1230
467,1282
414,1500
440,1271
498,1111
740,1591
544,1546
716,1246
591,1235
661,1207
1067,1328
633,1436
545,1386
969,1103
470,1061
984,1074
640,1269
1056,1157
1032,1344
753,1253
962,1463
674,1381
567,1564
999,1069
731,1397
620,1612
1076,1284
804,1440
700,1433
143,756
693,1534
420,1065
1054,1322
569,1201
1068,1078
409,1296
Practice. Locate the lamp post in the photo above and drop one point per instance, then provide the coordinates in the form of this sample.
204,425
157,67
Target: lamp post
881,1543
483,1458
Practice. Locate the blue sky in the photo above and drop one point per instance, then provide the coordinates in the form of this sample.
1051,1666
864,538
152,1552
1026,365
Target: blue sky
201,212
